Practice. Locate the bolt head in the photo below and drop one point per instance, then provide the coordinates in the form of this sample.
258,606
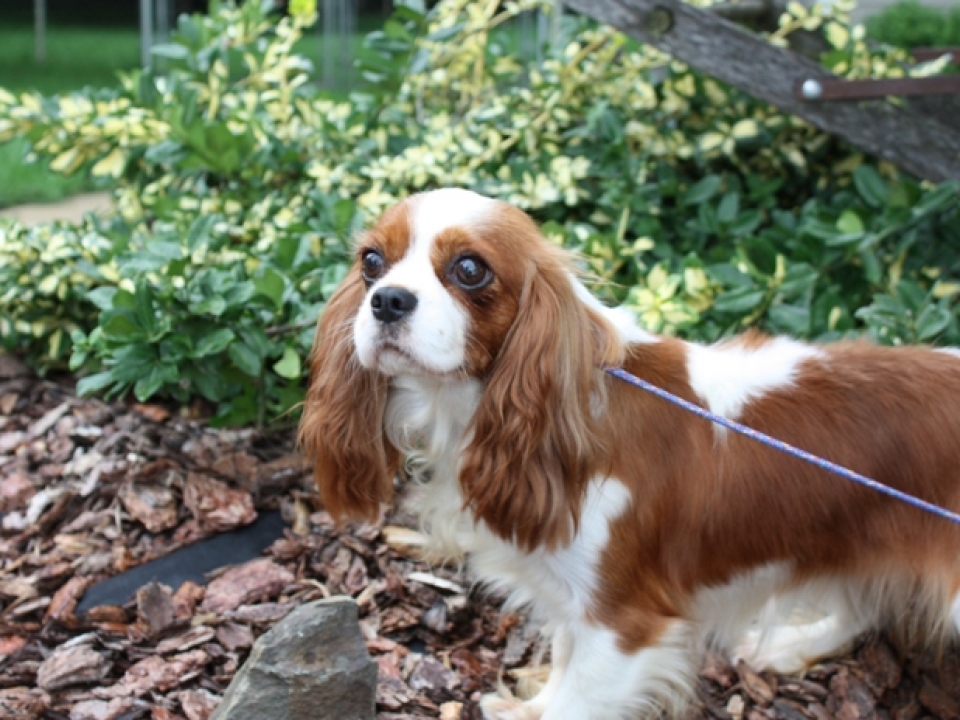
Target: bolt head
811,89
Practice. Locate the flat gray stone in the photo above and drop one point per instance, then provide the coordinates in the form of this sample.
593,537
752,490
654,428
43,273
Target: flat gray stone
312,665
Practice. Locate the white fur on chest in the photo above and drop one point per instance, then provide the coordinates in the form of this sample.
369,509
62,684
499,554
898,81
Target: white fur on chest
428,422
560,585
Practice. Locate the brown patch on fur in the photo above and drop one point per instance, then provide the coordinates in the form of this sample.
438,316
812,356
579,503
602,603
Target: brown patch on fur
707,508
391,234
534,438
342,425
492,308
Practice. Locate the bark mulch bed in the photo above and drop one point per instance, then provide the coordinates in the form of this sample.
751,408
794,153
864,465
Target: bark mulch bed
90,490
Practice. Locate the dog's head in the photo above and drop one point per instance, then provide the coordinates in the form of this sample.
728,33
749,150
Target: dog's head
452,285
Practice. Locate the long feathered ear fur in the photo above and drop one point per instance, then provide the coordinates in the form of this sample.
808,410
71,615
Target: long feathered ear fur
534,442
341,429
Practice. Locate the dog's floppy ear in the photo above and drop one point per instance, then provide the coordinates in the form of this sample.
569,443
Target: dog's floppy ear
534,439
341,430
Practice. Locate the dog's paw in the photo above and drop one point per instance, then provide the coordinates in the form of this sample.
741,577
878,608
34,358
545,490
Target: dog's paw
500,707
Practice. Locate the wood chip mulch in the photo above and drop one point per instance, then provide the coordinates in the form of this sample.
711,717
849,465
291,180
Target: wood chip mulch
90,490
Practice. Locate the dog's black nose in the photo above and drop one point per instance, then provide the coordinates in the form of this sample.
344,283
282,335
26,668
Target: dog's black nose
390,304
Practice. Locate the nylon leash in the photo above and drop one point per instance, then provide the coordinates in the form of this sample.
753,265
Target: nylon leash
796,452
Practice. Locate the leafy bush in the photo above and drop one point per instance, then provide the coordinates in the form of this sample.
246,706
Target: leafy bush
241,185
908,24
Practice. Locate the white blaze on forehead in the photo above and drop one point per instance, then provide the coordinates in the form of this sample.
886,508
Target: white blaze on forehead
435,334
438,210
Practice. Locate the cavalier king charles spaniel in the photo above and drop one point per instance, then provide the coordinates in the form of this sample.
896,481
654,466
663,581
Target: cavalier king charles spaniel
462,342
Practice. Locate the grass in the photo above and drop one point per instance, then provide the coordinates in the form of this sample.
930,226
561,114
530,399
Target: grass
76,58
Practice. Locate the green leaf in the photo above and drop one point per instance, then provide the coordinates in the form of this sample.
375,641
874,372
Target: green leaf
244,357
209,306
102,297
289,365
124,299
791,319
208,382
200,230
871,186
702,191
729,207
271,284
121,324
166,250
728,275
800,278
740,300
932,321
147,387
94,383
849,223
77,359
212,343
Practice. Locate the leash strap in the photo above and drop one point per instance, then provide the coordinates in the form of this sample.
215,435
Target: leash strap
796,452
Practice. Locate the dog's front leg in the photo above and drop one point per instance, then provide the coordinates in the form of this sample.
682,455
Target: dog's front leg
596,679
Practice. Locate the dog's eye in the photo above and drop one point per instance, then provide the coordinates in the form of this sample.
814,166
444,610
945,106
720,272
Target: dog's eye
372,265
471,272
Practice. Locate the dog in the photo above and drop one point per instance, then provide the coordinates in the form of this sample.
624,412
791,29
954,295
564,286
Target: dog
462,343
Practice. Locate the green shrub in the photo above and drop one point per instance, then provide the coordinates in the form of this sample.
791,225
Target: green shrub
908,24
240,187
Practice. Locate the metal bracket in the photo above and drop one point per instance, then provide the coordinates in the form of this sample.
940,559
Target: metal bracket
824,88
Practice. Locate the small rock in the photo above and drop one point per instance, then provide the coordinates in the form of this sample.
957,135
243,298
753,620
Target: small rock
313,664
257,580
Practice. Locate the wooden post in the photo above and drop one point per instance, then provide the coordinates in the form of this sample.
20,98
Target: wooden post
908,138
40,30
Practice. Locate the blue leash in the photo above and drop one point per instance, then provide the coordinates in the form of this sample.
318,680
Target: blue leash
622,374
